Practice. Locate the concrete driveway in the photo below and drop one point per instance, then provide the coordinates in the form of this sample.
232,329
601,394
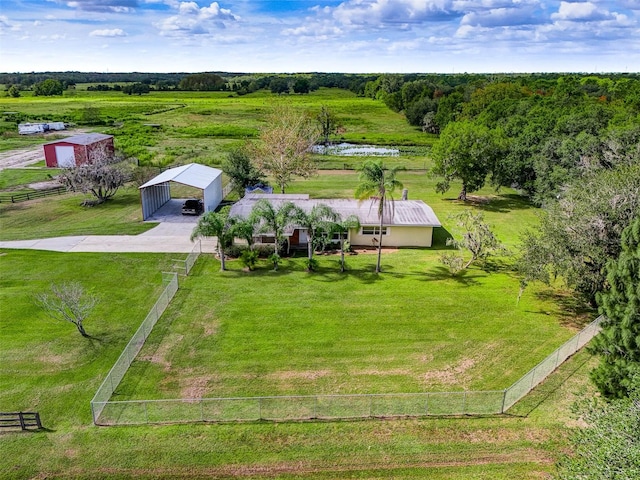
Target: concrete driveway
171,235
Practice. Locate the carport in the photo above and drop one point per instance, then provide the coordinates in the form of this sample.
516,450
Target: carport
157,191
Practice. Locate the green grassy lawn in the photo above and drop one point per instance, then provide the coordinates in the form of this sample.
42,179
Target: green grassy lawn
18,177
49,367
411,329
63,216
46,365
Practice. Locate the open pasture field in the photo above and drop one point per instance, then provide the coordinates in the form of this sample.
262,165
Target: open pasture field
204,126
411,329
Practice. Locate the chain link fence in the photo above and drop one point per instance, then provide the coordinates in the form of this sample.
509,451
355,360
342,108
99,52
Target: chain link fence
119,369
311,407
541,371
187,264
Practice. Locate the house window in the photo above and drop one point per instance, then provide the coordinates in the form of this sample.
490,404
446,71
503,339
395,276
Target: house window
336,236
373,230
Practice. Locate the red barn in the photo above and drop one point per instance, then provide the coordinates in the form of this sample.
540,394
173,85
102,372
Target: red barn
77,150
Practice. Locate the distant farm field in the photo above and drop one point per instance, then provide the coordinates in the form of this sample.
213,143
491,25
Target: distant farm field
167,127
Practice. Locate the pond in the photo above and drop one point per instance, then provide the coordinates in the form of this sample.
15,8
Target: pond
354,150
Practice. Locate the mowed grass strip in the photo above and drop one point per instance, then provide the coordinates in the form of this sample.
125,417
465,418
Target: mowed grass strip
410,329
63,215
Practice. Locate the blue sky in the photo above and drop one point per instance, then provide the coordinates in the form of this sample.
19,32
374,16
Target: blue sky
359,36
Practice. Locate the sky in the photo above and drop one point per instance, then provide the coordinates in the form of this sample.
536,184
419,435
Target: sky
350,36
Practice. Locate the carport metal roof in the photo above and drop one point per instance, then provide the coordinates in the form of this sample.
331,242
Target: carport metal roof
193,175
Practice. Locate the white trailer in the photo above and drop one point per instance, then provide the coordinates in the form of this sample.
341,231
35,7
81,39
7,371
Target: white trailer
30,128
56,125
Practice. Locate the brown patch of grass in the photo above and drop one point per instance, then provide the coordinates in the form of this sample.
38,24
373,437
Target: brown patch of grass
160,356
295,375
457,374
194,387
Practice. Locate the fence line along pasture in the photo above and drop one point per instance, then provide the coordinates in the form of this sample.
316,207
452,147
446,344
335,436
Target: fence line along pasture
24,196
312,407
119,369
187,264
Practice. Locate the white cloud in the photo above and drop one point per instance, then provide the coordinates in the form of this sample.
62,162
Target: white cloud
394,12
116,6
580,12
7,26
314,29
502,17
114,32
194,20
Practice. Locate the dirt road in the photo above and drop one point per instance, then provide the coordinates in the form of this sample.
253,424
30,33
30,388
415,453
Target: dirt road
28,156
21,158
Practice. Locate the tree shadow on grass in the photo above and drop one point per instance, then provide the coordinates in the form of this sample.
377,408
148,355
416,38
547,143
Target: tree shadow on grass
465,277
573,312
439,240
499,203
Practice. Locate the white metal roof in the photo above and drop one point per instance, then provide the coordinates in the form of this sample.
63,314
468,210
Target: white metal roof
193,174
410,213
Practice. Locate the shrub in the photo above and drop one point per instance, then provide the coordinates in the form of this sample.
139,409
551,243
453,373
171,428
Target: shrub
249,258
312,264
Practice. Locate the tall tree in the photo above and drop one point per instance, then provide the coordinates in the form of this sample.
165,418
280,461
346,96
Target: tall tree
316,222
465,151
327,121
273,220
241,171
608,447
215,224
48,88
283,147
618,344
580,232
378,183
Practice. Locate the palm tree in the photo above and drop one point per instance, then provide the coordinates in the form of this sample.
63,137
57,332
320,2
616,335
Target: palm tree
319,220
342,226
215,224
273,220
379,184
243,228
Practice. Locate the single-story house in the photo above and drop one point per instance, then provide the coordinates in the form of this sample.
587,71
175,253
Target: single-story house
78,149
410,224
157,191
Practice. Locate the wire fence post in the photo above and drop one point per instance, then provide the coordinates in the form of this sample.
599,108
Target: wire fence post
504,400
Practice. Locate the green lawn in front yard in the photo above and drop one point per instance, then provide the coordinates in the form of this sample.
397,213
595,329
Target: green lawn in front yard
63,215
413,328
50,368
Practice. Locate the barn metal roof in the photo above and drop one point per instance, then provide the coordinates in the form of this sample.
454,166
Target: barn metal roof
410,213
193,174
83,139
